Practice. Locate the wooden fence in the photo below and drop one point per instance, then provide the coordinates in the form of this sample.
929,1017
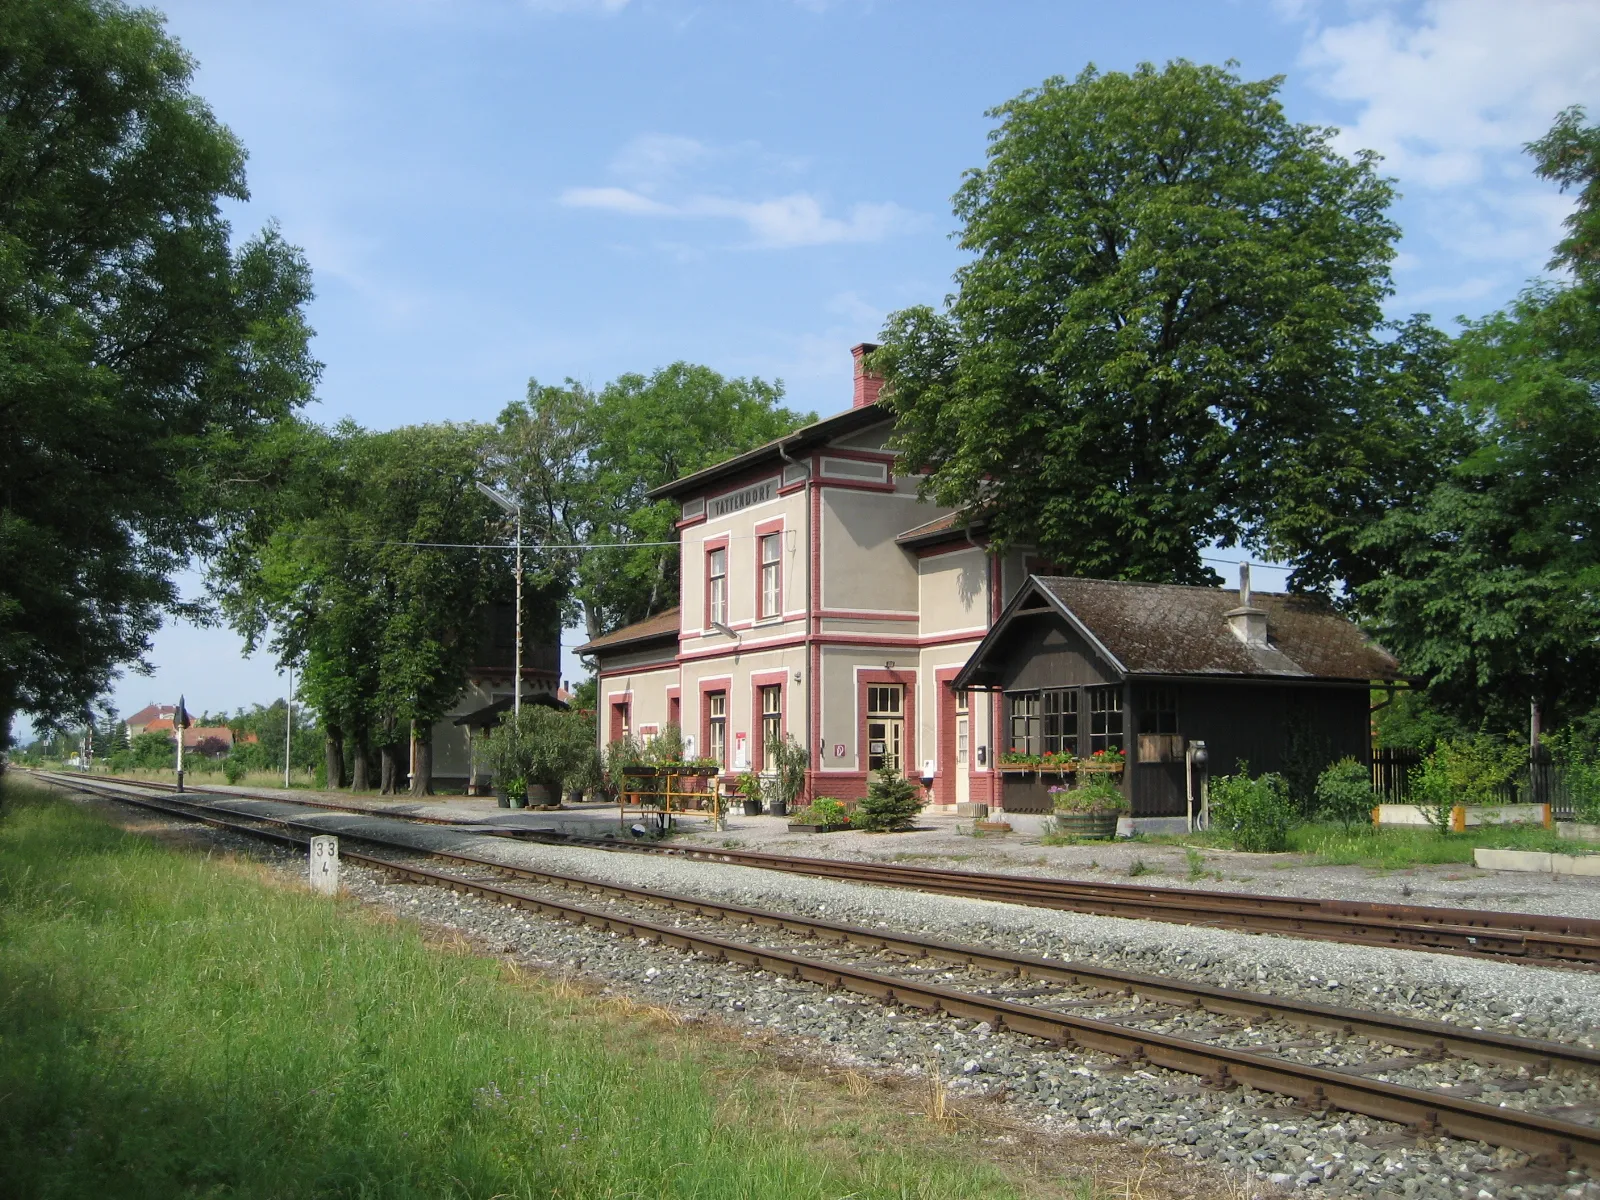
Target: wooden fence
1540,784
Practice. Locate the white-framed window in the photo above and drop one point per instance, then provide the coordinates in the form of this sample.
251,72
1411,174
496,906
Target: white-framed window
885,726
717,726
771,575
717,585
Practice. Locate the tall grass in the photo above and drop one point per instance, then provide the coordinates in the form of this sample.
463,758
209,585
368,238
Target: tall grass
174,1026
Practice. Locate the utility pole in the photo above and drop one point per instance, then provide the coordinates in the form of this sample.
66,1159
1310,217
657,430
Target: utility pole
288,726
515,509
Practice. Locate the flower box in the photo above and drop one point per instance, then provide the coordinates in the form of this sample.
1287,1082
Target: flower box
992,826
1087,824
802,827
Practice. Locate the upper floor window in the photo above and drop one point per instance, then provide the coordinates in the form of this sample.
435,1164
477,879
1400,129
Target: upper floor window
771,575
717,586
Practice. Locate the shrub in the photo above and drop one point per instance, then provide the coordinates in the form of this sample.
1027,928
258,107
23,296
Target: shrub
666,746
1579,760
541,746
824,810
892,803
1099,796
233,769
1255,813
1344,793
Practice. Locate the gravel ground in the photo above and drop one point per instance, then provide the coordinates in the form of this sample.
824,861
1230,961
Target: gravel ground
1334,1154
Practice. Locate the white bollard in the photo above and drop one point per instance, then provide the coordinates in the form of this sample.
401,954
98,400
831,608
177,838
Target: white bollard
325,864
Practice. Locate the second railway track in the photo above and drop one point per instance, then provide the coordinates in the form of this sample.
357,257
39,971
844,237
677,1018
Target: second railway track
1033,995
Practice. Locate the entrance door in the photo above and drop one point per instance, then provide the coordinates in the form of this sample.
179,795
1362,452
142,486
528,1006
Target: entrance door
885,727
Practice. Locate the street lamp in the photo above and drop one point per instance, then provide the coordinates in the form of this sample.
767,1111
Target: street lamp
515,509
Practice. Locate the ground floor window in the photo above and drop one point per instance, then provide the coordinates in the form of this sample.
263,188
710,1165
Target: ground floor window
717,726
885,726
771,718
1061,721
1024,722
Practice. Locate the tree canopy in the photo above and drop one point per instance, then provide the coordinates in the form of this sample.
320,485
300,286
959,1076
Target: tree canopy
1169,333
140,353
583,461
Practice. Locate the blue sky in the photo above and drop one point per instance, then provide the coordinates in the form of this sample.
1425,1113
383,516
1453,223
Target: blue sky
490,190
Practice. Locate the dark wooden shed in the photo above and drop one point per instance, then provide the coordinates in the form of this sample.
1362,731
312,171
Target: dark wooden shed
1090,664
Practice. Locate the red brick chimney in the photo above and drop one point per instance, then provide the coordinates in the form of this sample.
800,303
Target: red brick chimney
867,384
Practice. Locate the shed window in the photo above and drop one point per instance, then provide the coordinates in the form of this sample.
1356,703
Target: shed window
1061,721
1024,722
1105,719
1158,725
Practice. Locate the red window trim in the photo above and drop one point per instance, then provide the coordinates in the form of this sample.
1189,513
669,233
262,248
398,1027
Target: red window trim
759,680
675,707
707,688
908,681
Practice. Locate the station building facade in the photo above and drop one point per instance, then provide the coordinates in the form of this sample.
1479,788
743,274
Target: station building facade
820,597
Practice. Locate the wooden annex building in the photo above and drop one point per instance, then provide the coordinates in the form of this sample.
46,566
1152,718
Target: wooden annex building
1086,664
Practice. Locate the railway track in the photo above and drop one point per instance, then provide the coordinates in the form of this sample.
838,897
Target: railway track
1029,995
1531,938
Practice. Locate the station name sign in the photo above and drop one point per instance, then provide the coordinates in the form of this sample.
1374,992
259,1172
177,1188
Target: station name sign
758,493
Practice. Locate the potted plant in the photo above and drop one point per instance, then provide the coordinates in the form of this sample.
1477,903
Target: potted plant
1090,810
787,760
749,785
509,754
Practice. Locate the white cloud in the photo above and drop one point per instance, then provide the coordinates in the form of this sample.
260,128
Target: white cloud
1443,97
653,163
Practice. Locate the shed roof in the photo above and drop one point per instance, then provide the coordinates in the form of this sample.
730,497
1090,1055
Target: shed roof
661,627
1168,629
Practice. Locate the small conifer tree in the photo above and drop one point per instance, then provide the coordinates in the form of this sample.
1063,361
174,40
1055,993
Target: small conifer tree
892,803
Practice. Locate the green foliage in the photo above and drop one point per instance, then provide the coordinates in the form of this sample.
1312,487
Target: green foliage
150,750
144,352
1577,754
542,746
824,810
1344,793
1479,769
1570,155
1411,720
1169,334
621,753
1096,795
892,803
1393,848
233,770
272,1044
582,463
1256,814
667,745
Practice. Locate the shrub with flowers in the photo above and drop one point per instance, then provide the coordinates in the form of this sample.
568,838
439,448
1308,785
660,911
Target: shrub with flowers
824,810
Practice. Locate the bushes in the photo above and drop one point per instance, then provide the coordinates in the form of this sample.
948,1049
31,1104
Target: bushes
1344,793
892,803
1256,813
824,810
542,746
1099,796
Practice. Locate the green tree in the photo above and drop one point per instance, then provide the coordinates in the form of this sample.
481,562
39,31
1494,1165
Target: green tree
142,353
1169,334
1495,593
583,462
1570,155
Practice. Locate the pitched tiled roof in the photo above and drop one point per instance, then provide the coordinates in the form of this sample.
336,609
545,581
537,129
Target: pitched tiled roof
1165,629
936,529
848,421
661,627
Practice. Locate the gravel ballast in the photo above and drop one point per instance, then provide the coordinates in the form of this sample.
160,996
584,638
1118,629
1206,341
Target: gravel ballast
1261,1136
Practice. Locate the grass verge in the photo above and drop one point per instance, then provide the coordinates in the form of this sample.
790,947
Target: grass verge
177,1025
1398,847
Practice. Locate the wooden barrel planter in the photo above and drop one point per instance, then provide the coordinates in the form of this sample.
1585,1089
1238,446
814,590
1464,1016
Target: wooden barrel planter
1087,825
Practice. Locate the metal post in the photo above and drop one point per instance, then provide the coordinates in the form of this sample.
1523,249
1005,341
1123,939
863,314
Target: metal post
516,693
178,722
288,726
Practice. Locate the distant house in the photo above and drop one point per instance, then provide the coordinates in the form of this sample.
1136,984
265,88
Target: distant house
213,741
140,721
1083,665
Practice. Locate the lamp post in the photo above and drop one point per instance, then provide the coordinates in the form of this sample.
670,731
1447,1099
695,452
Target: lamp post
511,506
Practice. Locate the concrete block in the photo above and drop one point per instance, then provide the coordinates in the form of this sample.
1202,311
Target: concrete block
1575,829
1512,860
324,868
980,811
1166,825
1576,864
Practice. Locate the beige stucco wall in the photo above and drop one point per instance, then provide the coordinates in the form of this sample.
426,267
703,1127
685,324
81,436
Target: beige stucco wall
862,568
736,677
648,702
954,592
